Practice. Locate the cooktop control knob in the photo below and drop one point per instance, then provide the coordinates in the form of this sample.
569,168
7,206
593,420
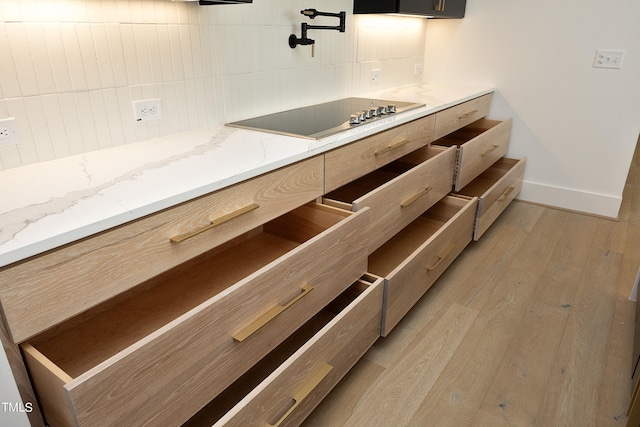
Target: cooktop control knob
373,112
391,108
354,119
382,110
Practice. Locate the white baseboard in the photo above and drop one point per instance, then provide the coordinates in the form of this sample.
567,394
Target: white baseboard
574,200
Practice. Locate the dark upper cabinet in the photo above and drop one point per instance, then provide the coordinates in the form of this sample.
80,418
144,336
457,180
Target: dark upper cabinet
436,8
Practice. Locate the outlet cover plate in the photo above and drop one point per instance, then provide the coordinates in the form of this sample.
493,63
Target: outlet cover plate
146,110
606,58
9,132
375,75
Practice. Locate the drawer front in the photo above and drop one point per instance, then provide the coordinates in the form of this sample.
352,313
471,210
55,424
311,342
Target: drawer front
118,259
508,175
400,201
352,161
479,153
456,117
405,285
296,387
173,372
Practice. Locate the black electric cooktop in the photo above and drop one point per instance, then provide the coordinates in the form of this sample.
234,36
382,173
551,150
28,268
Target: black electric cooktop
322,120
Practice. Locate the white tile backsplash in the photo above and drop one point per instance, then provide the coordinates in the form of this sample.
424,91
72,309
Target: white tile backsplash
71,68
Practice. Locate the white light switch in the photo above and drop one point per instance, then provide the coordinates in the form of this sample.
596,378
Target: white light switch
608,58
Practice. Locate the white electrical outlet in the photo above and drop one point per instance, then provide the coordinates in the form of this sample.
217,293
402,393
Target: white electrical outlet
608,58
146,110
9,132
375,75
417,70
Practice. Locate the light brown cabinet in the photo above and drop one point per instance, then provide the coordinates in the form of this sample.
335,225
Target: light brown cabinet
246,306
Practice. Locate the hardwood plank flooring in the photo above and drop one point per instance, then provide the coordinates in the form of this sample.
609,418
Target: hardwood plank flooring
530,326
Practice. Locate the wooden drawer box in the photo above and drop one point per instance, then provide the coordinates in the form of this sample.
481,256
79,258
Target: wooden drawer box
352,161
116,260
399,192
458,116
159,355
413,259
496,188
480,145
290,382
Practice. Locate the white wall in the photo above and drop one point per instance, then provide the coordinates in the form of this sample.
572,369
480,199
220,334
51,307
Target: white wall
70,68
576,125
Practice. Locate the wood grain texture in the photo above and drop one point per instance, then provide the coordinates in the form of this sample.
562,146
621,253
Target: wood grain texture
461,115
153,380
352,161
551,344
340,344
432,168
477,154
116,260
423,243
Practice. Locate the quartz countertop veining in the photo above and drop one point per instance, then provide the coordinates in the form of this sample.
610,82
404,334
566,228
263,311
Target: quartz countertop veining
50,204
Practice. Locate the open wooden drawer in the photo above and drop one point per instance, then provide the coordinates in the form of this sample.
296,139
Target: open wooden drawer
81,275
357,159
290,382
480,145
460,115
158,354
414,258
496,188
398,192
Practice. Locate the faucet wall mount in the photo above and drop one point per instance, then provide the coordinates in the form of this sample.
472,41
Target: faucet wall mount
312,13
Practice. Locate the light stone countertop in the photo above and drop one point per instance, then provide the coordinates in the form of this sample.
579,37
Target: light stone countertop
49,204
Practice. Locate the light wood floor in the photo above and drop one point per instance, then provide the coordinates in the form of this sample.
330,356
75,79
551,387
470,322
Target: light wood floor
531,326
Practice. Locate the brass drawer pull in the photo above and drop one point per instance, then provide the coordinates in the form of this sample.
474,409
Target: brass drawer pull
392,147
489,150
467,114
506,194
269,316
305,391
440,5
441,257
215,222
415,197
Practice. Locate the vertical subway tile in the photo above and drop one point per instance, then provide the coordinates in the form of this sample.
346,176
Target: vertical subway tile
187,53
109,11
39,128
201,103
166,61
116,55
130,54
126,114
100,119
142,52
196,51
182,104
161,11
112,109
75,139
57,57
103,55
124,12
192,103
85,114
155,60
8,71
176,52
205,43
171,107
74,57
164,124
55,125
22,59
88,53
11,10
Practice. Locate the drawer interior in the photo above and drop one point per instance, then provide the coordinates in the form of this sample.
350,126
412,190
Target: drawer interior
364,185
488,178
400,247
467,133
225,401
91,338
